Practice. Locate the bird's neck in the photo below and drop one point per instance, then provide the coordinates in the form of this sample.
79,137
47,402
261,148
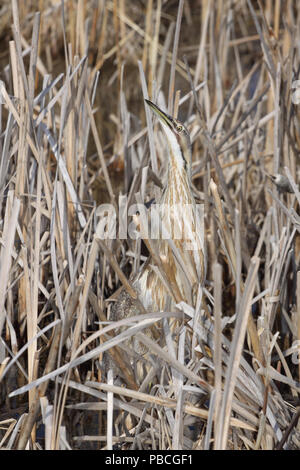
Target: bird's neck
178,183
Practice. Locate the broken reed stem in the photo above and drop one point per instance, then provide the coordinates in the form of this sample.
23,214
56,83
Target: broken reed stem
174,57
40,391
46,163
228,242
112,261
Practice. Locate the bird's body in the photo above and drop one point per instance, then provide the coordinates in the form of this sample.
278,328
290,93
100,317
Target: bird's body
178,213
179,268
183,260
282,183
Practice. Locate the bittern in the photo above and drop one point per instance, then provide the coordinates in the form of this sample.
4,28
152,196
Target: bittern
183,263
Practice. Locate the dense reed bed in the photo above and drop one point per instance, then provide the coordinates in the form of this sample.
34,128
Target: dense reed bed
74,135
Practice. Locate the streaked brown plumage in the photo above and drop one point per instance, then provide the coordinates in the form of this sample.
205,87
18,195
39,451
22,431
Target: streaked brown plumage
186,269
177,194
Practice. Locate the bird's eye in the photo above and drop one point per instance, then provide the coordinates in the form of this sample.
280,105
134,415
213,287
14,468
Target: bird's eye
179,128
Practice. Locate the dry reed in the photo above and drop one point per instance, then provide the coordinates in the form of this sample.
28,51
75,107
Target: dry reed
74,134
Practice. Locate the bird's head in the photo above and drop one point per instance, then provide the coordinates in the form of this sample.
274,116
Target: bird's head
282,183
177,135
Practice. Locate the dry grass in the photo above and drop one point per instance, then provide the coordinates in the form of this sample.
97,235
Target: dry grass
74,133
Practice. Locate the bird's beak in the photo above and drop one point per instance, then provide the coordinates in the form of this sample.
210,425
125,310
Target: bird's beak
165,118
